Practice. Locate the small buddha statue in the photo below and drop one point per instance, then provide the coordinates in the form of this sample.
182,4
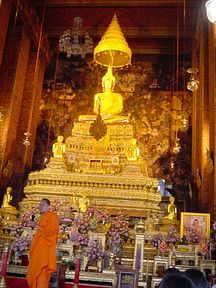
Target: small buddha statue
58,148
7,198
132,151
74,200
172,210
83,203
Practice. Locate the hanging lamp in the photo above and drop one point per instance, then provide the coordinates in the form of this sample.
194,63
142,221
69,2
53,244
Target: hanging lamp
211,10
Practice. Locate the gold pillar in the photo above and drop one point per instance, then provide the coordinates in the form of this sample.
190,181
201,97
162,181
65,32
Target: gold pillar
5,11
29,113
12,79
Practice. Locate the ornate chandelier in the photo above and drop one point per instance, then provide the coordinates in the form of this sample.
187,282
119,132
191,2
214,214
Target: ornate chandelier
73,42
211,10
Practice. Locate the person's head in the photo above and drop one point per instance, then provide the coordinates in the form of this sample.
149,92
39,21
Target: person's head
172,270
176,281
44,205
197,278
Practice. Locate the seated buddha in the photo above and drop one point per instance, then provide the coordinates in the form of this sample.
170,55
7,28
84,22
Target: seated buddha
8,212
58,148
170,217
7,199
110,103
172,210
83,203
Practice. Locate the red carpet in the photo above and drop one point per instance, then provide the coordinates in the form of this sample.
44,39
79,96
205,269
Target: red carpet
13,282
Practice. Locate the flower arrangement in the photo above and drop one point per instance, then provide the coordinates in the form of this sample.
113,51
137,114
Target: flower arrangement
82,224
81,240
20,244
156,240
27,216
163,247
117,232
94,250
203,249
172,235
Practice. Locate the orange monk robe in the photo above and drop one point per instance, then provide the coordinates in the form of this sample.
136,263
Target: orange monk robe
43,251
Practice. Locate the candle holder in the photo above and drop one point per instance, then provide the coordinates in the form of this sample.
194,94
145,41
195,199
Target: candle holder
5,257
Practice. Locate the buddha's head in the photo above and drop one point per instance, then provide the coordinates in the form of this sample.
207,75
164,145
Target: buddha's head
60,139
172,199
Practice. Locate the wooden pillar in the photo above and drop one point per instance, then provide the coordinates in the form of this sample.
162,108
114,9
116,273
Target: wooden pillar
12,79
203,118
5,11
28,119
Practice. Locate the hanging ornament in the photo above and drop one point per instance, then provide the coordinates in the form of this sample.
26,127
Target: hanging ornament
26,141
176,146
184,122
193,83
171,164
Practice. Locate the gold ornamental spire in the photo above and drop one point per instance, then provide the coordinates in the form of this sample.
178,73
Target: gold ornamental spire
113,49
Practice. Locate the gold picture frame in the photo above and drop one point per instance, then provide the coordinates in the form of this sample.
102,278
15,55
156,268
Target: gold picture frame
195,226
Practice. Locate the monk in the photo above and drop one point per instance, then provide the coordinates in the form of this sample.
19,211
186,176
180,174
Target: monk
43,248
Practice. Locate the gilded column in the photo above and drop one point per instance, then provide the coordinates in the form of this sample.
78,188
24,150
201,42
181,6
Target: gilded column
29,114
12,79
5,11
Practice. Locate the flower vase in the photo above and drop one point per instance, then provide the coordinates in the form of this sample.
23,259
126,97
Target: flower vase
112,262
84,262
17,258
172,247
99,265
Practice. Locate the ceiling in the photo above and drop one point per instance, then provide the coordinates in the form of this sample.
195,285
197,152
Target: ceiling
149,26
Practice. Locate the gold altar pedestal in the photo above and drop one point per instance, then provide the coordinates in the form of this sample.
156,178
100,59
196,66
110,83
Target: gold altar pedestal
9,215
99,169
8,219
164,225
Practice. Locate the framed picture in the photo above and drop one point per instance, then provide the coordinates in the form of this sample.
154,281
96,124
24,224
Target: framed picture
128,278
195,226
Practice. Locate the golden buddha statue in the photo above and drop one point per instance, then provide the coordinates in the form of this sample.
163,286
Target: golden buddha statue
7,198
132,150
108,81
8,213
110,103
83,203
58,148
171,209
74,199
170,217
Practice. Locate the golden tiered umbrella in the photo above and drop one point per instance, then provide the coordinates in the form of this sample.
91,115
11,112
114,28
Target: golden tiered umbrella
113,49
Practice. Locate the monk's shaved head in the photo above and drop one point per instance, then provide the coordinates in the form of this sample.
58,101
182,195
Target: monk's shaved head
44,205
46,200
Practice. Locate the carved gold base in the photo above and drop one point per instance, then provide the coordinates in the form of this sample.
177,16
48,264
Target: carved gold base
3,283
164,226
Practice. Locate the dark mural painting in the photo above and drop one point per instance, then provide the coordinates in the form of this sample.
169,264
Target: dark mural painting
153,98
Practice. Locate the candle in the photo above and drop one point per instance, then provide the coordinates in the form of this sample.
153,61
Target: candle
77,271
5,256
147,268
